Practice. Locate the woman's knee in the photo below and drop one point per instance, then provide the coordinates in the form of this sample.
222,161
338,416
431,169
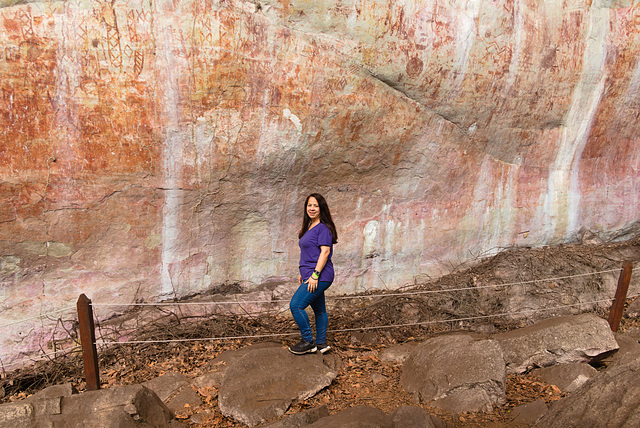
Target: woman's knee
297,305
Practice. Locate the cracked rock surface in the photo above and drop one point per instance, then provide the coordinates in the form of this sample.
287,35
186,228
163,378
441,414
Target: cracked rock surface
262,383
456,373
558,340
609,399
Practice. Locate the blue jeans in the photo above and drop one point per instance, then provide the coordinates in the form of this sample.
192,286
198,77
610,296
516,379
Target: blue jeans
299,302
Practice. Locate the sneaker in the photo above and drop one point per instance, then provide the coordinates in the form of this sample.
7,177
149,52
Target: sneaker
323,348
303,347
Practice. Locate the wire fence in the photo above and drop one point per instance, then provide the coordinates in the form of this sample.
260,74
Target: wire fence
343,330
75,348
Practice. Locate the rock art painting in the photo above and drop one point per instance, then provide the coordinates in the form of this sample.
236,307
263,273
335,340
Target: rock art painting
159,149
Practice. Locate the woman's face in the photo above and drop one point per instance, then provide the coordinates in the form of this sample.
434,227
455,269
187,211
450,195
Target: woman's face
313,209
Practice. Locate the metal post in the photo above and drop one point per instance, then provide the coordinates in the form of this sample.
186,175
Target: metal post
88,342
617,307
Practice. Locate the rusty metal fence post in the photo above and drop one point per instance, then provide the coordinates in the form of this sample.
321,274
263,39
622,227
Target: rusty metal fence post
617,307
88,342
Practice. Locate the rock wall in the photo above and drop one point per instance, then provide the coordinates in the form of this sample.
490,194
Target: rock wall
153,149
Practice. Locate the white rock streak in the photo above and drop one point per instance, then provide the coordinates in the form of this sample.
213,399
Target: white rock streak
635,83
67,84
465,37
494,200
563,194
168,95
293,118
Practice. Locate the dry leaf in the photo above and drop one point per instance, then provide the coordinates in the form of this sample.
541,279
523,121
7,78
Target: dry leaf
207,391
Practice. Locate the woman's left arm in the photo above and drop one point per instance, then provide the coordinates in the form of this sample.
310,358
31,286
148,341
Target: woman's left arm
325,250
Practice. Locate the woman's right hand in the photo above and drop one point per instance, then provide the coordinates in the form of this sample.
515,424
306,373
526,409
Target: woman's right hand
299,279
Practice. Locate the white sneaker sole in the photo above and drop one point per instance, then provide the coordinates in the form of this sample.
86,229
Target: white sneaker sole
325,350
310,351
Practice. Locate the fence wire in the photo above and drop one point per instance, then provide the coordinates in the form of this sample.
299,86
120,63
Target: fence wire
104,343
379,327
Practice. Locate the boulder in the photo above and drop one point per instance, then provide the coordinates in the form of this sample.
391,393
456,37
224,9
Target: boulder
122,407
567,377
300,419
456,373
567,339
356,417
36,409
139,403
220,363
610,399
412,416
629,349
20,414
62,390
263,383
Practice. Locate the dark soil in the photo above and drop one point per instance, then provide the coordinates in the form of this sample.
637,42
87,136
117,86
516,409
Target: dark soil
363,379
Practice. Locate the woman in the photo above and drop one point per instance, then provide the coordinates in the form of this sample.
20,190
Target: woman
317,236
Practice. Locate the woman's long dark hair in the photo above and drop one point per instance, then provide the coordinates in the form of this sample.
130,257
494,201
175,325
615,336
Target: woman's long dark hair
325,217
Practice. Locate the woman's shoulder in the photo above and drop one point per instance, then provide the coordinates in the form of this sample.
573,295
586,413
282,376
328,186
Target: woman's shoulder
323,228
324,231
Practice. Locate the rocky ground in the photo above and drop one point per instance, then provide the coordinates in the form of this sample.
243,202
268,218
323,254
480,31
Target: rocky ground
363,379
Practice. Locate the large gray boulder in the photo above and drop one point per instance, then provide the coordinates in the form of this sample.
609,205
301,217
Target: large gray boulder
263,383
456,373
36,409
121,407
219,365
628,351
567,339
133,404
610,399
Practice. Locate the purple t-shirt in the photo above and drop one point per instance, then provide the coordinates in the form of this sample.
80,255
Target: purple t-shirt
310,251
